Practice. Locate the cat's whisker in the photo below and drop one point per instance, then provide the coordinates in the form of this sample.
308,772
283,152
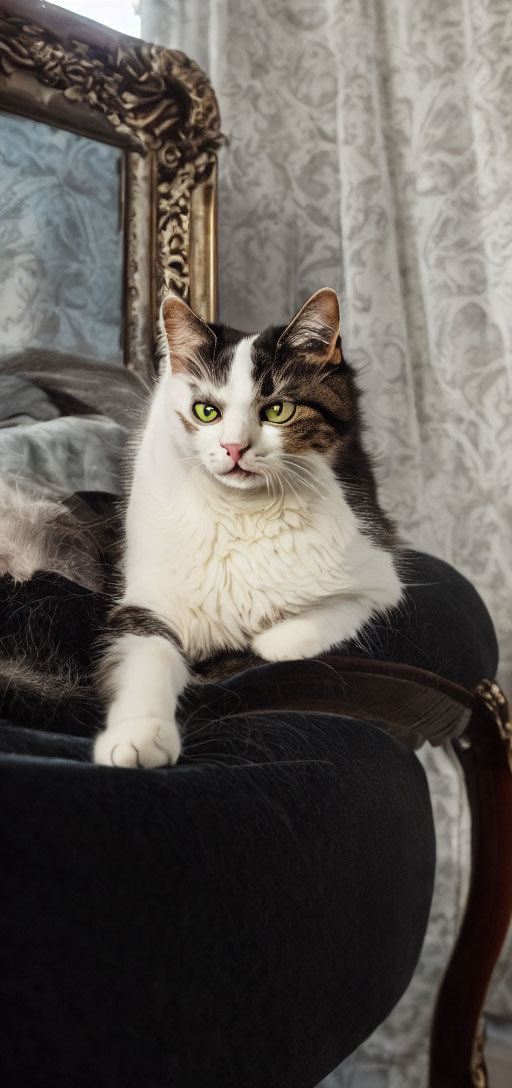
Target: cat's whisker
297,475
267,480
190,461
278,484
279,480
293,474
309,478
270,477
287,478
189,474
305,483
302,468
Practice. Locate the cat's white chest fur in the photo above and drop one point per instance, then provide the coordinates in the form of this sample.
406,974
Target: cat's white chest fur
220,571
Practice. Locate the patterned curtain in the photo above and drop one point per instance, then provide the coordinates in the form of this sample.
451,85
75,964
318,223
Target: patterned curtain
370,149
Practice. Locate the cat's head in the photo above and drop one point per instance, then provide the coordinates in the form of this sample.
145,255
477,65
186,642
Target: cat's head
260,411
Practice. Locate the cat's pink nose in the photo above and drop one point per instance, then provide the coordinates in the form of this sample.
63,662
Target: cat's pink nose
235,450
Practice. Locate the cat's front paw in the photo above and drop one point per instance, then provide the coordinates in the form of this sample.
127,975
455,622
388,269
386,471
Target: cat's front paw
138,742
289,640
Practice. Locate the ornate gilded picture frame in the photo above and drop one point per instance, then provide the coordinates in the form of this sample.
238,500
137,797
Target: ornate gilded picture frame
159,108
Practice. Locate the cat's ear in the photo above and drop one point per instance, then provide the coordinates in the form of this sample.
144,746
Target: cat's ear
189,339
315,330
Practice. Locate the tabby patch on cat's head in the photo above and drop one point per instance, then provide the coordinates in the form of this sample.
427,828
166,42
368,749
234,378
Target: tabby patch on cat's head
259,411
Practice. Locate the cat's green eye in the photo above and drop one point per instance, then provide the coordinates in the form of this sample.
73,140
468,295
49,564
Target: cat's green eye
205,412
280,412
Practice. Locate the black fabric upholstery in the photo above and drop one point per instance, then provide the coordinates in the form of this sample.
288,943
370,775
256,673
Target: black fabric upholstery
242,920
212,924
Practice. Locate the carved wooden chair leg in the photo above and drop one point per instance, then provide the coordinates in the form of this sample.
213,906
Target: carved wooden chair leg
485,752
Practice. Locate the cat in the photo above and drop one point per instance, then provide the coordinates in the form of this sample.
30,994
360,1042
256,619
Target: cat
252,521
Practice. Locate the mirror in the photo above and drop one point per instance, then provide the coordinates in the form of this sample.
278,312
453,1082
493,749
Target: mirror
61,241
107,186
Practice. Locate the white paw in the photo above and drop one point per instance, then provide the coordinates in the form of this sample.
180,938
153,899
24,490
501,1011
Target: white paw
288,641
138,742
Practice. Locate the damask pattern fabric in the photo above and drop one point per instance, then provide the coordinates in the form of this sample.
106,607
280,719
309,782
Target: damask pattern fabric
60,240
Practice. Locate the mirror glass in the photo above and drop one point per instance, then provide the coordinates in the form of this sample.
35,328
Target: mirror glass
61,241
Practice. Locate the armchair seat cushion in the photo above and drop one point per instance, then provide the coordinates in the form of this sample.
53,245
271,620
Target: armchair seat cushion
220,923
